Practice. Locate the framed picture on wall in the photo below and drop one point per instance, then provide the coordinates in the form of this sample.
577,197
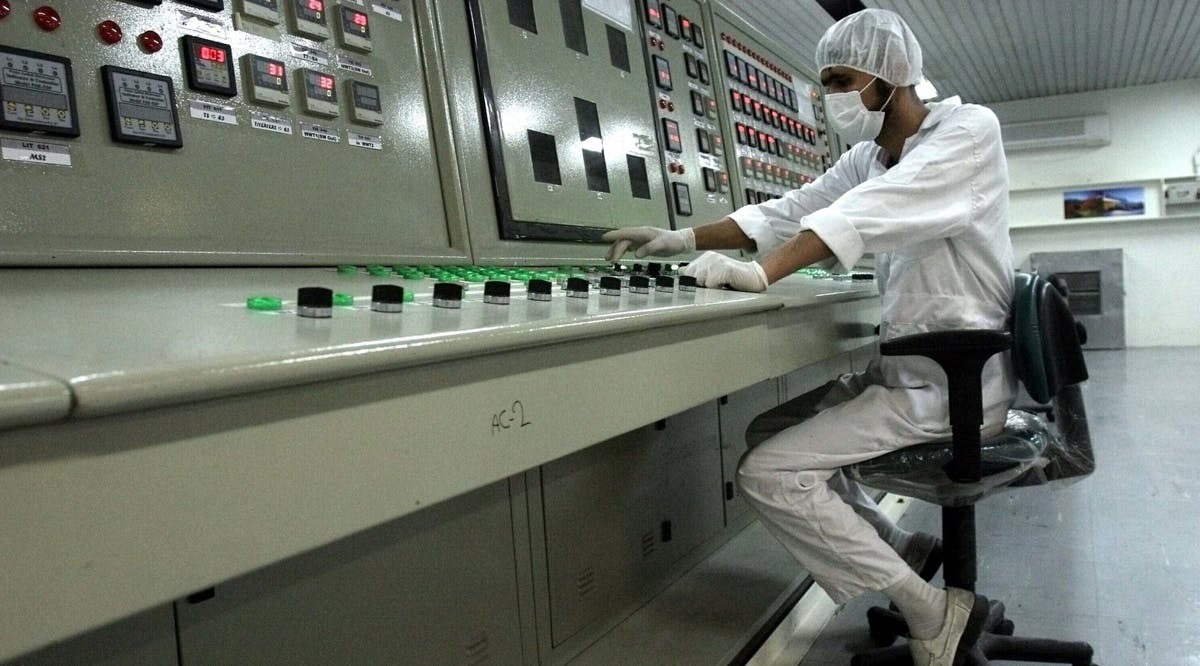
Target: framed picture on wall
1104,202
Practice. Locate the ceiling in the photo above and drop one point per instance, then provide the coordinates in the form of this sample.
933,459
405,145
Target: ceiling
990,51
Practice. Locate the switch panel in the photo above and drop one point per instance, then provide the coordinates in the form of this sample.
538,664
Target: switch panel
266,80
37,93
141,107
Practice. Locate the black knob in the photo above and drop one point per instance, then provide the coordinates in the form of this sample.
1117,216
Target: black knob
664,283
539,290
639,284
577,287
316,302
610,286
654,269
687,283
387,298
637,268
447,295
496,292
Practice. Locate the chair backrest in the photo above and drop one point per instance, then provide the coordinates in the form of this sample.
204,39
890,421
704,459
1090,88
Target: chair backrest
1047,354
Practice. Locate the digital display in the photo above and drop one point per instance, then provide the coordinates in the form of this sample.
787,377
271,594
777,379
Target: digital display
685,27
672,136
662,69
689,64
355,21
269,73
731,64
215,55
703,67
697,35
703,140
319,86
697,103
366,96
670,20
209,66
310,10
653,13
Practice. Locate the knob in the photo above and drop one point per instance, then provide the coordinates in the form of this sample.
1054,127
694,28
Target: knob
496,292
387,298
664,284
610,286
687,283
577,287
653,269
447,295
315,302
639,284
539,290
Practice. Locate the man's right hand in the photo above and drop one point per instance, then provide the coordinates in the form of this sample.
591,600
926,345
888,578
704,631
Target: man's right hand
649,241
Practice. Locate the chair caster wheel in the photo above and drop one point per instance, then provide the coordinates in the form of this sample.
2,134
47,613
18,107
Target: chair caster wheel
1005,628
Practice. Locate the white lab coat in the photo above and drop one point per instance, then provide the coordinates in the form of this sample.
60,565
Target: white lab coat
937,223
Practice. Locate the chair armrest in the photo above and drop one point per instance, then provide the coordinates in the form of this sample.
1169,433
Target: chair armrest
938,342
962,355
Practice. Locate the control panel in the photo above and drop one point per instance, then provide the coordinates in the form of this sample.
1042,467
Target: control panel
221,132
776,116
685,102
572,140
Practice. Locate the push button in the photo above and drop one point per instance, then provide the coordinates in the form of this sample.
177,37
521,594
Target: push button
639,284
577,287
496,292
387,298
447,295
314,302
538,290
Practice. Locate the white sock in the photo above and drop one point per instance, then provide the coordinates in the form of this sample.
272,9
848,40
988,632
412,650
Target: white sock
922,605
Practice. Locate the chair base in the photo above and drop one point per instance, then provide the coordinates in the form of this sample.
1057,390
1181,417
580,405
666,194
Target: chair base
997,642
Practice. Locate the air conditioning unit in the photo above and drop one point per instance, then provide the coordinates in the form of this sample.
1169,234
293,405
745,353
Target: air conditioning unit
1081,132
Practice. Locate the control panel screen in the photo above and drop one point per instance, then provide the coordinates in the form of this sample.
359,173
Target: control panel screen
141,107
310,10
209,66
319,86
356,22
37,93
366,96
671,136
269,73
662,73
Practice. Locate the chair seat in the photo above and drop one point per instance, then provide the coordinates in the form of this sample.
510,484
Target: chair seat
917,471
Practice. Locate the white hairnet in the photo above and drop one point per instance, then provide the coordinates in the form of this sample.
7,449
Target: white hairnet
875,41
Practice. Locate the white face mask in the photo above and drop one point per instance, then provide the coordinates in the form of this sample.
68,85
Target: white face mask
851,118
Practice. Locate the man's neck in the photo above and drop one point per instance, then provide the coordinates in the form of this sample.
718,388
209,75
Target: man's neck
903,122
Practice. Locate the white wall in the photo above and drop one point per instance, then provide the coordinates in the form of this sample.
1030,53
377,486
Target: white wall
1155,133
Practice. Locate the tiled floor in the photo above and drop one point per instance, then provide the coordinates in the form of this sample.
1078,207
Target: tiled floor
1114,559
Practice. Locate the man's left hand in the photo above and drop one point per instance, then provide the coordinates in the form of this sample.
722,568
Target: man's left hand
715,270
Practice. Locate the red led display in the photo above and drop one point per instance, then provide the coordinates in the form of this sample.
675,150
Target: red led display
316,5
275,69
360,19
212,55
325,82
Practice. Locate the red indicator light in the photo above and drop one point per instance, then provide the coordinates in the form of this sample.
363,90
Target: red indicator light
360,19
316,5
5,8
275,69
685,24
151,41
110,32
212,55
47,18
654,14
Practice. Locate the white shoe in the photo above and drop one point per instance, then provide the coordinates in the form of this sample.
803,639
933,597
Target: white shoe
966,613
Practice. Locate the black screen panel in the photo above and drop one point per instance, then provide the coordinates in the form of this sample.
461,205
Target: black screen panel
594,165
618,49
520,14
543,150
573,30
639,178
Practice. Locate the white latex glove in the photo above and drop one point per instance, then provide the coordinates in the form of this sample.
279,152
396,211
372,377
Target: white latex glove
649,241
716,270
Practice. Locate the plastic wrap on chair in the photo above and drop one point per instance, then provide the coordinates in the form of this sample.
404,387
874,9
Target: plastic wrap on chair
1020,453
1071,456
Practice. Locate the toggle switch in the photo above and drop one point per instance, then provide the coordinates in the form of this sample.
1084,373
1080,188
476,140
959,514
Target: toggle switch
314,302
496,292
387,298
538,290
447,295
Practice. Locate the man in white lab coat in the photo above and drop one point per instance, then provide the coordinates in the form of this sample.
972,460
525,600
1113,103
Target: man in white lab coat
925,189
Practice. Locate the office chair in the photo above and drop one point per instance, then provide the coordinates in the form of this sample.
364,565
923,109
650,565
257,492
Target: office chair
1049,362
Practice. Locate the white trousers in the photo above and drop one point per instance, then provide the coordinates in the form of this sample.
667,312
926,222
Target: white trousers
791,476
